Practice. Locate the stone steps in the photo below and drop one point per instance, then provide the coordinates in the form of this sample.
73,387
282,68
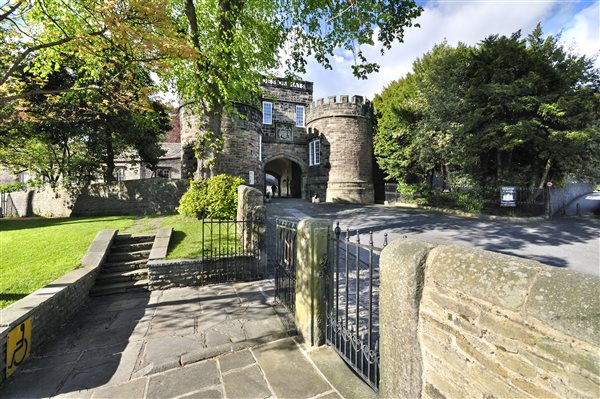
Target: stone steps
127,256
119,288
125,267
136,246
124,276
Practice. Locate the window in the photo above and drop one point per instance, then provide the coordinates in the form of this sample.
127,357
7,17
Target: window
267,113
119,173
299,116
260,147
163,172
314,153
23,177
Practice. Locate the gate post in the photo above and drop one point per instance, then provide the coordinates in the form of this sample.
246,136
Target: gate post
311,258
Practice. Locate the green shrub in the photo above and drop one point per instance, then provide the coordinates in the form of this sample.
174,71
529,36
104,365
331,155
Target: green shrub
11,187
193,201
215,198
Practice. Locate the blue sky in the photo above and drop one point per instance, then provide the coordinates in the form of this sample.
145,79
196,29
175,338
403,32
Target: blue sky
467,22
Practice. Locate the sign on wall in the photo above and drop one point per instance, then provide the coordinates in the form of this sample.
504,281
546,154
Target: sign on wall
508,196
18,346
251,177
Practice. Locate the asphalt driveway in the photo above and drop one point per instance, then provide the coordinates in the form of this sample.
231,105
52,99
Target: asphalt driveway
573,243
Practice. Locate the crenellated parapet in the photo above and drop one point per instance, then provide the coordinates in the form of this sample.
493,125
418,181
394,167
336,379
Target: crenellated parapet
355,106
345,129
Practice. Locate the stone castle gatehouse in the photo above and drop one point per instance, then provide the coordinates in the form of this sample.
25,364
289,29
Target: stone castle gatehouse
304,148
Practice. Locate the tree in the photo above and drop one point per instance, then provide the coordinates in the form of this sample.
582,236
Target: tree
236,42
510,110
36,35
417,132
70,138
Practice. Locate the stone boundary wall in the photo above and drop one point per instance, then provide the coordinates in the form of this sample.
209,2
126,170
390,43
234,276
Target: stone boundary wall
462,322
53,305
166,274
128,197
561,197
43,202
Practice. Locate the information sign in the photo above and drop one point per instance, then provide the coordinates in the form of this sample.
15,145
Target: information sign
508,196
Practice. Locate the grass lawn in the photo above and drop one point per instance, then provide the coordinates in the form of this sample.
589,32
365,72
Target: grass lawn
186,240
36,252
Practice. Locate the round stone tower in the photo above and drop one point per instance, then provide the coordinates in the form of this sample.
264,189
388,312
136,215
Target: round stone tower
240,155
345,129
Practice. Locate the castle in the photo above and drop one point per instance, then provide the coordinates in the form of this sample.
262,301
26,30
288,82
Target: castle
305,148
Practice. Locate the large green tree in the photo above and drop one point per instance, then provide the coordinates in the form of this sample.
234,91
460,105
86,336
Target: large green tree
510,110
236,42
72,137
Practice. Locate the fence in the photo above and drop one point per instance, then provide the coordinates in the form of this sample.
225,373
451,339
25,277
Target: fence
7,207
229,252
529,201
285,262
352,303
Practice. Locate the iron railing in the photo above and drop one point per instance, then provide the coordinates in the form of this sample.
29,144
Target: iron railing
352,303
229,252
7,207
285,262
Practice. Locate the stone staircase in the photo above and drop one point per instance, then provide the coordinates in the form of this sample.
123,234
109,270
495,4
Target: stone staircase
125,267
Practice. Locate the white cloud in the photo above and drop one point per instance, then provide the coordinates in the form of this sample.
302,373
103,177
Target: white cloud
459,21
582,34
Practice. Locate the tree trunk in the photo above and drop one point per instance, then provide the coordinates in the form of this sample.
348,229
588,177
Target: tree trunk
110,158
540,188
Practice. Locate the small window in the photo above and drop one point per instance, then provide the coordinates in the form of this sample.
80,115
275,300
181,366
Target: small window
267,113
165,173
314,153
299,116
23,177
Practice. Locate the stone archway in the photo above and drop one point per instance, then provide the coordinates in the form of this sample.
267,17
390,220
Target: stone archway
290,176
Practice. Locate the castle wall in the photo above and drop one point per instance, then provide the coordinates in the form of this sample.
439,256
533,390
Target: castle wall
240,154
189,130
285,97
346,133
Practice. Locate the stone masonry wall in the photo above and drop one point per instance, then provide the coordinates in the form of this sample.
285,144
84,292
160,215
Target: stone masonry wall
560,197
284,99
166,274
43,202
51,306
130,197
345,128
471,323
240,154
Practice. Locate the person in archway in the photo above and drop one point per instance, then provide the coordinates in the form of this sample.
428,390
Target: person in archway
274,190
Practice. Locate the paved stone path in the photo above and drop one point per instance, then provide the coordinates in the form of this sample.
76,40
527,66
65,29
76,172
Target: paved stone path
116,338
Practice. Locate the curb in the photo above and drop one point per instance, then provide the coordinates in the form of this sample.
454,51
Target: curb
206,353
454,212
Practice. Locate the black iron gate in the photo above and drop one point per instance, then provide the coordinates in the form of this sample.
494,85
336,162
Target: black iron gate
352,303
285,262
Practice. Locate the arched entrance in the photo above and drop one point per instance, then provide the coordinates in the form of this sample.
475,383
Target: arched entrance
288,175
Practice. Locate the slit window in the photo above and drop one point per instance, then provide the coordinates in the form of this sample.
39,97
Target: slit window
314,153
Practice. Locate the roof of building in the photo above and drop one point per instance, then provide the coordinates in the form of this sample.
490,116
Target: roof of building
173,150
174,135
